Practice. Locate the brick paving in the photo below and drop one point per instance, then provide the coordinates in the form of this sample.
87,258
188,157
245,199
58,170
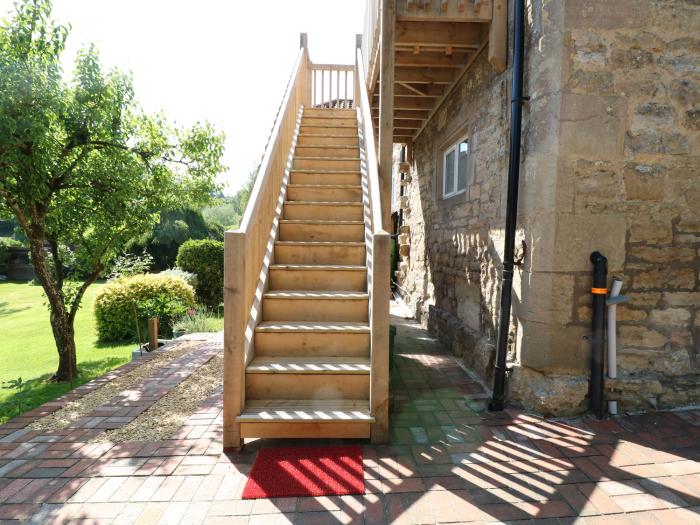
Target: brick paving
449,461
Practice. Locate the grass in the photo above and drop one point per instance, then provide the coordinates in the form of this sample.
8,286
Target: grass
27,348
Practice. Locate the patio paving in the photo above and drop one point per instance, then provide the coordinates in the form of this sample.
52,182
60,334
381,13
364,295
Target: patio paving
449,461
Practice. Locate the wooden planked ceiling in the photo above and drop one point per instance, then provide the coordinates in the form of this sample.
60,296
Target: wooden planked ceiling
434,42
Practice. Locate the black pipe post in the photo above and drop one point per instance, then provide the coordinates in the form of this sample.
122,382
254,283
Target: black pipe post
499,380
597,339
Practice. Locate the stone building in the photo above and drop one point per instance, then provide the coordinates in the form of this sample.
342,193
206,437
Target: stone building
610,162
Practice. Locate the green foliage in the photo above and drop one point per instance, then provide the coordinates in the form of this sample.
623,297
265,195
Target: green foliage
166,297
175,227
197,320
128,265
6,242
81,164
188,277
19,387
205,259
229,210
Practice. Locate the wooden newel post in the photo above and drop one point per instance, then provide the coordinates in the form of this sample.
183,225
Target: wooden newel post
152,334
235,317
379,377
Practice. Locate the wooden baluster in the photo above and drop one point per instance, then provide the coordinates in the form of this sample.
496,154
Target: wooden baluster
323,81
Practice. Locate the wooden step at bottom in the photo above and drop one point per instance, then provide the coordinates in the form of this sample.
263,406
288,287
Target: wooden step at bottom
322,385
316,305
306,418
320,252
335,277
309,365
306,339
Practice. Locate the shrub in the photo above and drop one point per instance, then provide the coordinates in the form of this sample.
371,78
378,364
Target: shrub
197,320
164,296
129,264
188,277
204,258
6,242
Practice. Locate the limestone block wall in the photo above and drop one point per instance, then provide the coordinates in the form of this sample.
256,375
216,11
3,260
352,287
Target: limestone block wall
610,163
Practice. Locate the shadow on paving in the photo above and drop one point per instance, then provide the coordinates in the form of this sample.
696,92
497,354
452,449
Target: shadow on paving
451,461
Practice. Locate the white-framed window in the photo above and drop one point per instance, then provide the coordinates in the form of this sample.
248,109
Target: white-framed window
454,168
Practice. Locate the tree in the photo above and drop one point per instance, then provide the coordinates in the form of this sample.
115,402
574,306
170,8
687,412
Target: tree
229,210
174,228
81,165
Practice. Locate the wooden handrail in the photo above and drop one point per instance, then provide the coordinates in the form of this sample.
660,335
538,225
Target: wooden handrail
364,115
377,241
248,251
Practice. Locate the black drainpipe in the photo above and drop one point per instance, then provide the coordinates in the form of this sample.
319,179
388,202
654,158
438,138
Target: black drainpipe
499,380
597,339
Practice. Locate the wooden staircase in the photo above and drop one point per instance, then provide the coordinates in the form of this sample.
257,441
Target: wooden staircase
306,286
310,374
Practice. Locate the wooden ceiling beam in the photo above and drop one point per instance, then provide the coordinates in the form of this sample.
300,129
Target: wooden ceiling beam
426,75
426,90
433,60
402,123
431,34
411,103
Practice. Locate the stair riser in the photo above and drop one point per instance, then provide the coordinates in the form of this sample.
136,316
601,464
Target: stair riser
350,310
338,280
321,112
344,429
312,151
319,232
329,130
301,177
345,122
320,254
326,164
311,344
314,140
319,212
324,194
306,386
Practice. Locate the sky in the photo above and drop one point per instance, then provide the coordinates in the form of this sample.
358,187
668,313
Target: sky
225,61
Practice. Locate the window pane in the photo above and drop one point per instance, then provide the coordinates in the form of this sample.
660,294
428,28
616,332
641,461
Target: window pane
449,174
462,165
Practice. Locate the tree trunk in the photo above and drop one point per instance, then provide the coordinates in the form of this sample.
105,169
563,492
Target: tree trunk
61,320
64,335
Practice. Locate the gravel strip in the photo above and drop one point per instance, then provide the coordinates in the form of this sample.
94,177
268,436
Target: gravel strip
168,414
82,407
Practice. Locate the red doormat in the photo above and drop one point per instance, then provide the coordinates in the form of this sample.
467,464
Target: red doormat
306,471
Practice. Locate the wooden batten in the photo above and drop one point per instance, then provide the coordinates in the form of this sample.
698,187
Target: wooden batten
498,36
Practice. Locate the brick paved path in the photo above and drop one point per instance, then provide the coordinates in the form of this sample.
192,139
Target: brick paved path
449,461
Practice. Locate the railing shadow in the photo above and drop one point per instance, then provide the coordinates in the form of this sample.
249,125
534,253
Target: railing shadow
450,460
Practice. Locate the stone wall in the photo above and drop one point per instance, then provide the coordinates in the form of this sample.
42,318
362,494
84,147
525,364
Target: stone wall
610,162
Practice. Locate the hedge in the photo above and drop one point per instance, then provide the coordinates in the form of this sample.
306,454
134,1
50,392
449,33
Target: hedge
115,302
205,259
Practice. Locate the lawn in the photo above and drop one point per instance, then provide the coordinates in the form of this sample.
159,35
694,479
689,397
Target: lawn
27,348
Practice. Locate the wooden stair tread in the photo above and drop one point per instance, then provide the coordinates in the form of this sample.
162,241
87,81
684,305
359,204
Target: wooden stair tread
321,243
326,146
312,326
318,221
327,186
324,203
301,410
329,135
324,172
311,267
315,294
299,157
309,365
